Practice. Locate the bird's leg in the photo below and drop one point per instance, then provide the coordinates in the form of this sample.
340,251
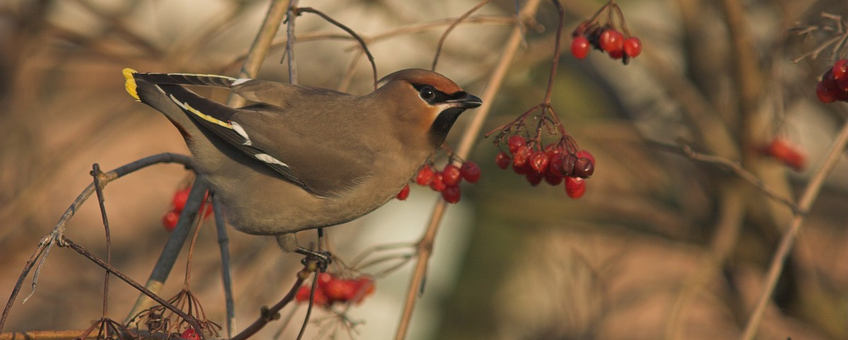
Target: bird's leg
322,257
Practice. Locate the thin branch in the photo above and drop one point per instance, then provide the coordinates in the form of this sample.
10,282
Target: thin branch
65,242
352,34
737,169
226,273
807,198
171,250
43,246
403,30
470,135
291,14
450,29
261,46
270,314
96,174
40,254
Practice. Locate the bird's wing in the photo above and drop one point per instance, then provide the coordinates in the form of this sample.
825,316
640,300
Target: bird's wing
326,152
217,118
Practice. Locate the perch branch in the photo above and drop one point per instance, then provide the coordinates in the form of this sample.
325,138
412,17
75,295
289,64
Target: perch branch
470,135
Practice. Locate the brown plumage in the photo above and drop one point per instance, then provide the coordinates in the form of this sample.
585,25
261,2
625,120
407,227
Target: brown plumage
304,157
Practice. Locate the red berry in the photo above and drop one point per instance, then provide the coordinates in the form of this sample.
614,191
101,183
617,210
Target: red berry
451,194
520,155
617,54
470,172
587,154
580,47
584,167
534,178
180,198
320,298
567,165
842,84
170,220
515,141
425,175
555,165
553,178
840,69
190,334
438,183
553,150
612,41
451,175
782,150
575,187
404,193
302,294
338,290
539,161
632,47
827,90
522,169
323,279
502,160
364,287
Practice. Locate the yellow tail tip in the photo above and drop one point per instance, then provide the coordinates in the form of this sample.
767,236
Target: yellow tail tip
130,83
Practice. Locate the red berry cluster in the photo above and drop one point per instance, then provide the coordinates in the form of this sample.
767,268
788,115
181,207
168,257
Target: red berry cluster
177,204
554,164
445,181
790,155
618,44
606,39
834,83
332,289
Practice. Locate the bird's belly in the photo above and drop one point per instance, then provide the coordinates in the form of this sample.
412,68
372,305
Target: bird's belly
288,208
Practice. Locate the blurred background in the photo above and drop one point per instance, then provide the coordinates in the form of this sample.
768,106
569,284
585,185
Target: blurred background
660,246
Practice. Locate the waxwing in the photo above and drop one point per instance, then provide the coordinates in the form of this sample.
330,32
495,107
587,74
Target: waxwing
303,157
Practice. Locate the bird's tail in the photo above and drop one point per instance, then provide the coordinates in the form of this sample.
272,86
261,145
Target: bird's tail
132,77
163,92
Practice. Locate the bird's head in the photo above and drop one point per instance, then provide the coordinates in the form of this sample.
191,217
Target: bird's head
428,100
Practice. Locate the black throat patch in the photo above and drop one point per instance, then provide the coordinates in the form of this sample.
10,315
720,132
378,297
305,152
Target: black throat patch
442,125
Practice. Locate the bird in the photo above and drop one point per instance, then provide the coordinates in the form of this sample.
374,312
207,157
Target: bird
299,157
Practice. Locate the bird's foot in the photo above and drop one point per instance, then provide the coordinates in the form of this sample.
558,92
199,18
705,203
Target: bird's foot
322,259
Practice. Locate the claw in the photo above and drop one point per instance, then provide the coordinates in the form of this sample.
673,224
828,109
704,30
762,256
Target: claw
321,258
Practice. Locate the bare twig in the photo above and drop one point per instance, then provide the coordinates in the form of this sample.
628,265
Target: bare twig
469,136
807,198
96,174
270,314
291,14
737,169
450,29
261,45
65,242
171,250
310,306
226,273
353,34
40,254
43,247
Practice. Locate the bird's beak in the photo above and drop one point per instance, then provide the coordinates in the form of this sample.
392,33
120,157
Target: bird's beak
465,101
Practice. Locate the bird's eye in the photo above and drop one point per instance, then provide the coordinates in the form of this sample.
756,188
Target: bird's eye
428,93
